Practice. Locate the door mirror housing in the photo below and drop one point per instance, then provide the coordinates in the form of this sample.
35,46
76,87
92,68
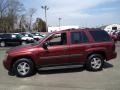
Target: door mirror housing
45,45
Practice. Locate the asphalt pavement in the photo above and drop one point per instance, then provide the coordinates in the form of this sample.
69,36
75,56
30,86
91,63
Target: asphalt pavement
64,79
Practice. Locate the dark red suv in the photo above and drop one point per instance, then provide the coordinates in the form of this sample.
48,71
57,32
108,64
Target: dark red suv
88,47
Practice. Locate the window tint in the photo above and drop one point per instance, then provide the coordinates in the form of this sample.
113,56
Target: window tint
78,37
30,35
100,36
114,28
19,36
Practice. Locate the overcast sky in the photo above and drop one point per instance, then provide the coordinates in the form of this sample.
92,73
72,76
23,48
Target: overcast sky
85,13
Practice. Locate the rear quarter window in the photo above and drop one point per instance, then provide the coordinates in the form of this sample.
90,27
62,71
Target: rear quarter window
100,36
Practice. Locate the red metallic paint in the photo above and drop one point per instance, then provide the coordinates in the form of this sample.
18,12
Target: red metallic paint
61,54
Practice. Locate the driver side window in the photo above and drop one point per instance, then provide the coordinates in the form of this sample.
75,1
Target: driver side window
58,39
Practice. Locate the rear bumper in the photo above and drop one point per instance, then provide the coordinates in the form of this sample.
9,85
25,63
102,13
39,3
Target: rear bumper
112,56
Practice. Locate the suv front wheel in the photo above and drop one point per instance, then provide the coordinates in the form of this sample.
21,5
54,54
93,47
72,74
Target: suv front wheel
23,67
95,62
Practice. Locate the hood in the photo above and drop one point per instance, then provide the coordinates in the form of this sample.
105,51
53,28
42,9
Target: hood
20,48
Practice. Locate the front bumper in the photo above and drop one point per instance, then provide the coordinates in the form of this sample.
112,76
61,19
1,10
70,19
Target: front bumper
5,64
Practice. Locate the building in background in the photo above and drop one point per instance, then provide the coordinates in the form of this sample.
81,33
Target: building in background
52,28
113,28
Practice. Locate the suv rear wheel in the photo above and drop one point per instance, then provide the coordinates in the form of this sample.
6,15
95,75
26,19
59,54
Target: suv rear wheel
95,62
23,67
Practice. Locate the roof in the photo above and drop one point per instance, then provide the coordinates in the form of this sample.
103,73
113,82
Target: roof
72,29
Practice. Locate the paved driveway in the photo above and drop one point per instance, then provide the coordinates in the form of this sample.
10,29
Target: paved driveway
65,79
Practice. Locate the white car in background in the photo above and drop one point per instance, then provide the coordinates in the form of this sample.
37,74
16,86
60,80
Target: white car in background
27,36
37,36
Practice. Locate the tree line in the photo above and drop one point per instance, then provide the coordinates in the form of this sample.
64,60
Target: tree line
15,18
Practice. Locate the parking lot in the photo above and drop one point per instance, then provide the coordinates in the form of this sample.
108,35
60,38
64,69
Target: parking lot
65,79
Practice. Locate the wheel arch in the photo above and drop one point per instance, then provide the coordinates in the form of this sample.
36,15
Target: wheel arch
102,53
20,57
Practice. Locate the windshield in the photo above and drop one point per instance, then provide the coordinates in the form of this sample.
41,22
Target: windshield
27,34
19,35
30,35
37,42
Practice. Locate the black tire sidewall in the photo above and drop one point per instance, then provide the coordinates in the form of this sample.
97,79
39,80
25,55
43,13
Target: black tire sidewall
88,64
31,71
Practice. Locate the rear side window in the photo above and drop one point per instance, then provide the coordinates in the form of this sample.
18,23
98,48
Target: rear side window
78,37
100,36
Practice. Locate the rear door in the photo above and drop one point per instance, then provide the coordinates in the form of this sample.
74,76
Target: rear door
78,45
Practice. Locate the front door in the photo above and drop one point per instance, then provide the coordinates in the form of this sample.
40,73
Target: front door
56,52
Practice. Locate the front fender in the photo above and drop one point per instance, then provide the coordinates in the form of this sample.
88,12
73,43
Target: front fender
14,56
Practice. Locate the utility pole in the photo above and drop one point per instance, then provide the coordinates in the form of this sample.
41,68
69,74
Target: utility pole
59,22
45,9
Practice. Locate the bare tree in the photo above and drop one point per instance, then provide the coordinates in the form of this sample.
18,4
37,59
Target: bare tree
3,7
10,10
22,22
15,7
31,13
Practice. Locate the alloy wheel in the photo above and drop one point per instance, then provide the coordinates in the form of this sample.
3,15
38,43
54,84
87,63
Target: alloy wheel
96,63
23,68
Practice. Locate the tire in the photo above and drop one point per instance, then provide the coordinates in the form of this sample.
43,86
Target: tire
23,43
23,67
95,62
2,44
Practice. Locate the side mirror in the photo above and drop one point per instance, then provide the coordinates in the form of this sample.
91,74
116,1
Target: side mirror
45,45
